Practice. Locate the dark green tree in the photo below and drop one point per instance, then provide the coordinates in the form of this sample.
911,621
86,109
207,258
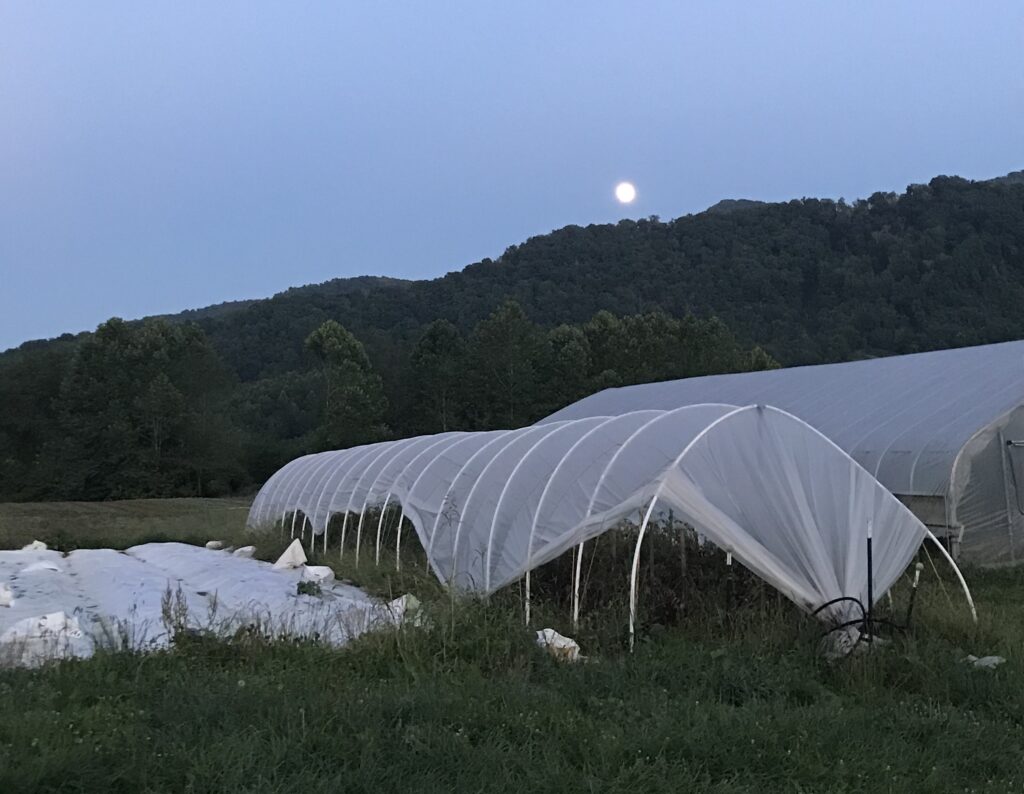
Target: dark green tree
30,381
137,411
566,365
354,402
505,357
438,372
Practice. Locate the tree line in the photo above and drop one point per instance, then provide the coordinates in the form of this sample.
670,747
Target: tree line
152,409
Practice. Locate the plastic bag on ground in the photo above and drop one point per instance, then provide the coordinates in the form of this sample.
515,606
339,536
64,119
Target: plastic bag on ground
985,662
244,551
565,649
849,640
35,545
293,556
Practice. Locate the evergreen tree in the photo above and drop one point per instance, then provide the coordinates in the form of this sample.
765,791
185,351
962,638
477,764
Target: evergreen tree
354,402
505,356
565,375
438,371
128,414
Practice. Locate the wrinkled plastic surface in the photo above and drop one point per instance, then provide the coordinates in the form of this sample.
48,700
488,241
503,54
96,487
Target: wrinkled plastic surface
124,600
926,424
490,506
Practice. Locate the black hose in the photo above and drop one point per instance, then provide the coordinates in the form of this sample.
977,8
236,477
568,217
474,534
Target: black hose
866,621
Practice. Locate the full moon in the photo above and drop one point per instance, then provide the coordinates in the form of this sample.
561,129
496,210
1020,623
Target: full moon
625,192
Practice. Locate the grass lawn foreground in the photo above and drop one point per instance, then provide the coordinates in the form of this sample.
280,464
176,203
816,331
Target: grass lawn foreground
737,702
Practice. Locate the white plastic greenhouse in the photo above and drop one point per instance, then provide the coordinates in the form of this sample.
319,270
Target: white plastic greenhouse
488,507
944,431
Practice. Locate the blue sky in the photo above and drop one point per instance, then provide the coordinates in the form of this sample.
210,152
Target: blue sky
158,156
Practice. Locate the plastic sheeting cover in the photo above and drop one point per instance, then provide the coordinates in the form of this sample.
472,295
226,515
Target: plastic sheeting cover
904,418
490,506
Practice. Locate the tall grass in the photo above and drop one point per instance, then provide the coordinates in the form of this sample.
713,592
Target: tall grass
725,692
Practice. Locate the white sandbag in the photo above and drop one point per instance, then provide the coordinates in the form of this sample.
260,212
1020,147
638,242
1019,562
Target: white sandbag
244,551
849,640
293,556
41,566
406,608
6,595
35,545
317,573
215,545
562,648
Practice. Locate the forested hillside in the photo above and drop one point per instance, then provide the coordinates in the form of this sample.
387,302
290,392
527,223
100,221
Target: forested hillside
941,265
212,400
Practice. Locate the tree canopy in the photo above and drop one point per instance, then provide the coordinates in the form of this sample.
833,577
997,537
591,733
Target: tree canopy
150,409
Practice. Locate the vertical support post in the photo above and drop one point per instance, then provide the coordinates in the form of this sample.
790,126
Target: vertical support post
576,576
869,628
398,541
913,593
344,526
359,533
650,554
728,584
1008,483
526,607
380,528
635,572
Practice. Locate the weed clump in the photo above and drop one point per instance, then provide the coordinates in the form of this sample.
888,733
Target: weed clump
309,588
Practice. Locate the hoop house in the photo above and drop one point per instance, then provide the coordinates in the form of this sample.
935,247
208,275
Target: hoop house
488,507
944,431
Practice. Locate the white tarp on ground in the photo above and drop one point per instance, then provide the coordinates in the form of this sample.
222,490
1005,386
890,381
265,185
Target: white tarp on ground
490,506
69,605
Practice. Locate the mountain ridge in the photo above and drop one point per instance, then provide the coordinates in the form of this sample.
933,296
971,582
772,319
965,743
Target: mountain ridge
738,259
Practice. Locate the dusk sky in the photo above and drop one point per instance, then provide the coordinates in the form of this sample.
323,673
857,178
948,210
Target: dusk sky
158,156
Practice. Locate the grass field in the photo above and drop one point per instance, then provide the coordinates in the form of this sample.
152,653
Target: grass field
78,525
734,700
